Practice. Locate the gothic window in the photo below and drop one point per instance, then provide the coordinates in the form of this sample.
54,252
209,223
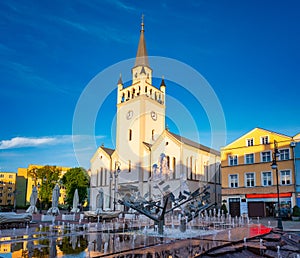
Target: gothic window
187,168
130,135
168,162
100,177
191,167
174,167
129,165
195,170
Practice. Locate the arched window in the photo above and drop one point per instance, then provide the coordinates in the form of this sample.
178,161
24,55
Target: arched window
187,168
100,177
146,88
174,168
130,135
153,135
129,165
191,167
195,170
168,162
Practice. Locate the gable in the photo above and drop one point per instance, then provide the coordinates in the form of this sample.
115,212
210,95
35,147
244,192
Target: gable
256,134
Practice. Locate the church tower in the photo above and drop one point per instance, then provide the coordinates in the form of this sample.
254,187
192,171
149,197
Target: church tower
140,116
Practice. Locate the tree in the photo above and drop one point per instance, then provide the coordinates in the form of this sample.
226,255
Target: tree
76,178
45,178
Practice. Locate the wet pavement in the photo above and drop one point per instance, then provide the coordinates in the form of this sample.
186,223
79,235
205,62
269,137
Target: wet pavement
86,239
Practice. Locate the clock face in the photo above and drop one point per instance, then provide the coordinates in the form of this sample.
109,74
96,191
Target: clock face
153,115
129,114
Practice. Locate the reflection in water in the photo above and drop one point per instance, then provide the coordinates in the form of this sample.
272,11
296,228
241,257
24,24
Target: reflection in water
67,240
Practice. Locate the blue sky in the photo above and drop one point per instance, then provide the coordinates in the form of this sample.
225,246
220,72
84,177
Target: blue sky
248,51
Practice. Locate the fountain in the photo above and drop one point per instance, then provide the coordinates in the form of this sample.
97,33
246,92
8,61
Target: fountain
163,201
171,221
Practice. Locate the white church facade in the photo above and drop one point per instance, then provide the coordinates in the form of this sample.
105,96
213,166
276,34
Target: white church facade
148,159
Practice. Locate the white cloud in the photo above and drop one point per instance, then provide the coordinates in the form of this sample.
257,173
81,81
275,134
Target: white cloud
22,142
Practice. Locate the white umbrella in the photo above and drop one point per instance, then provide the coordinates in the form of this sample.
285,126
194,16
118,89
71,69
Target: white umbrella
99,201
33,198
55,195
75,202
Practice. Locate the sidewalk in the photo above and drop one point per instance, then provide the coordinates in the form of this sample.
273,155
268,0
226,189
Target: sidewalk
288,225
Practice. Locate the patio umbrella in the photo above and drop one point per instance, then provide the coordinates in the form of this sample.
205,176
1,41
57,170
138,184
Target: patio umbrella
55,195
75,202
33,198
99,202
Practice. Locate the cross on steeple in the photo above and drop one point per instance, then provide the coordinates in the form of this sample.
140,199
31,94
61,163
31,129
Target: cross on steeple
142,55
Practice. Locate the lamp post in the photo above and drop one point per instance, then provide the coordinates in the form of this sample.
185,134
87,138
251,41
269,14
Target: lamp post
274,165
116,174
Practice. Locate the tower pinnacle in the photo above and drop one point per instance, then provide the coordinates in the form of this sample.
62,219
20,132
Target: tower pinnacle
142,55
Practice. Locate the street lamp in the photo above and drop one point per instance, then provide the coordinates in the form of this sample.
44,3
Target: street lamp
116,174
274,165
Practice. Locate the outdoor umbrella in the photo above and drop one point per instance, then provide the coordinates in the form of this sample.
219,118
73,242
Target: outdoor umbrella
55,195
75,202
99,202
33,199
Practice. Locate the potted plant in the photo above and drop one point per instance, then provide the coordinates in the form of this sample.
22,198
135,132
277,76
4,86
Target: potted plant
296,213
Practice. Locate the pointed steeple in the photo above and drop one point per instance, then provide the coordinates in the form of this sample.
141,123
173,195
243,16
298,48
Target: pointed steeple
120,82
142,55
162,82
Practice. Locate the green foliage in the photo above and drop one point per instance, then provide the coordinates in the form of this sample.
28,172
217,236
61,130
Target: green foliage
73,246
45,179
76,178
296,211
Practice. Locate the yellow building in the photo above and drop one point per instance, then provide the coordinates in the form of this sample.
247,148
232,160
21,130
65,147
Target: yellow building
7,188
249,184
27,187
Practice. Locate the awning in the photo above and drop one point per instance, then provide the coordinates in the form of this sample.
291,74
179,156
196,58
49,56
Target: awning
269,195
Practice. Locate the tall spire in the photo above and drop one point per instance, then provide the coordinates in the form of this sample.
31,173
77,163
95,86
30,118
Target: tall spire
142,55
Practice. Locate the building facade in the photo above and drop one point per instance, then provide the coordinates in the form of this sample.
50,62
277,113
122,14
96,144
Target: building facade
297,167
7,188
146,153
249,184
